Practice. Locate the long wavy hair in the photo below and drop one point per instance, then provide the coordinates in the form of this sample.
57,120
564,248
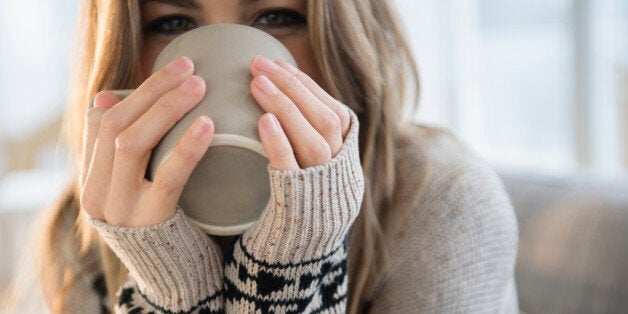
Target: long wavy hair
365,63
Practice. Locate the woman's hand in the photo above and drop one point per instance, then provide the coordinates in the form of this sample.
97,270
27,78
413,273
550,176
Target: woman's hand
119,137
316,179
304,126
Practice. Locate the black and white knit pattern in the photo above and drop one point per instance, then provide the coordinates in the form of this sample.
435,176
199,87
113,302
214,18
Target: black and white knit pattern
253,286
131,300
100,287
454,250
292,260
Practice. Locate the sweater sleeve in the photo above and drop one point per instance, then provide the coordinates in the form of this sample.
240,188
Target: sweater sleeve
294,258
173,267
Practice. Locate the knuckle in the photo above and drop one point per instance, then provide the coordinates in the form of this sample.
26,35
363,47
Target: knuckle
152,85
166,185
109,122
126,144
291,82
285,108
165,104
345,117
93,117
331,125
284,153
302,77
186,155
168,109
319,152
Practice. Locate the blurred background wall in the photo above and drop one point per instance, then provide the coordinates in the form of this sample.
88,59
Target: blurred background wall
35,53
534,85
537,87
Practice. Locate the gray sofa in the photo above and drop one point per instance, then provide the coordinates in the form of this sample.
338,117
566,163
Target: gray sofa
573,248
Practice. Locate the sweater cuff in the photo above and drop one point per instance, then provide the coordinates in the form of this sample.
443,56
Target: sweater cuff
174,263
310,210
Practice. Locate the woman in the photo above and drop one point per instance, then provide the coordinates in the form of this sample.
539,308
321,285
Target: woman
434,232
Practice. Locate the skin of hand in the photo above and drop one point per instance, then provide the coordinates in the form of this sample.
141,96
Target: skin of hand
119,137
303,127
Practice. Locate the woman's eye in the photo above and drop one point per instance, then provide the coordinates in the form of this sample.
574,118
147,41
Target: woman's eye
170,25
279,18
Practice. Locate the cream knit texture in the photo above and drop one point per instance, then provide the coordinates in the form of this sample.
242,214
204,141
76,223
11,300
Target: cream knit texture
453,249
310,210
292,259
175,265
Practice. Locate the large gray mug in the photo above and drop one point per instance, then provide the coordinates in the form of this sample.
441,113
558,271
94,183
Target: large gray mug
229,188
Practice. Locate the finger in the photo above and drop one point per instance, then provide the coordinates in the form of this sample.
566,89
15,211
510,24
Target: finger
174,172
138,102
339,108
309,146
93,201
322,118
102,101
276,144
134,145
120,116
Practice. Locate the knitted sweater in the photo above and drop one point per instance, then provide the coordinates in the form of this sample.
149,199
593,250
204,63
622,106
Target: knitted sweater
454,249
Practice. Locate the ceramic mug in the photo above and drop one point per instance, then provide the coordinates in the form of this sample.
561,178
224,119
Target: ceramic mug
229,188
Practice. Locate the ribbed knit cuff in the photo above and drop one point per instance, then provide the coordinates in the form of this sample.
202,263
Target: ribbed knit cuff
310,210
174,263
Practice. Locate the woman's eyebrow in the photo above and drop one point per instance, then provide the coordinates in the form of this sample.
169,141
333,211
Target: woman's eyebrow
249,2
191,4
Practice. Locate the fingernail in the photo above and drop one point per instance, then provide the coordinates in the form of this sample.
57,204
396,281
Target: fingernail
100,102
272,125
266,86
180,65
190,84
200,126
265,65
289,67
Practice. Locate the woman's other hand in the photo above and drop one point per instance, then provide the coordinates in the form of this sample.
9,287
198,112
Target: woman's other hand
119,137
304,126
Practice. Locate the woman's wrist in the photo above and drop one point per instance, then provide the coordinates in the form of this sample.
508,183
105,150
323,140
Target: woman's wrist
174,263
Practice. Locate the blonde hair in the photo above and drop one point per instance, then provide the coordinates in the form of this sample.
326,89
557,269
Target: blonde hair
372,63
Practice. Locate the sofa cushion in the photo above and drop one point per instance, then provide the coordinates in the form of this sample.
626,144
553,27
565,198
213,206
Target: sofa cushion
573,246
